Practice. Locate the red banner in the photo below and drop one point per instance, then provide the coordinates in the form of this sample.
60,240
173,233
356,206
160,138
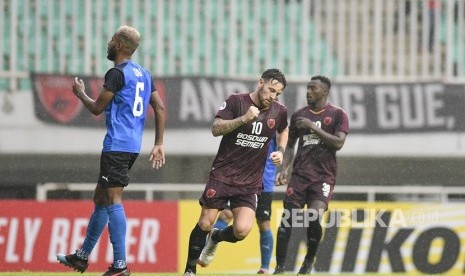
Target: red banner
32,233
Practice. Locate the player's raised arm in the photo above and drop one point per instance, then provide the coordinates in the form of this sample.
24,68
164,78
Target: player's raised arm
95,107
222,127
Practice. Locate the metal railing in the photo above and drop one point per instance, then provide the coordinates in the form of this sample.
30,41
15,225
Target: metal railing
408,192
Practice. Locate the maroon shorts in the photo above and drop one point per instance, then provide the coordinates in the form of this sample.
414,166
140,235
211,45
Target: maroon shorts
301,192
217,194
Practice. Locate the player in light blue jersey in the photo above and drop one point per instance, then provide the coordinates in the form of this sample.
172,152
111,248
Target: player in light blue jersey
127,91
263,213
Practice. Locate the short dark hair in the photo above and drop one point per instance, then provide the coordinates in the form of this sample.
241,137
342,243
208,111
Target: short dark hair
274,74
323,79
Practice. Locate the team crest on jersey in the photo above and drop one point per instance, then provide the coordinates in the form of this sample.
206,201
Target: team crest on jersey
271,123
327,120
210,193
289,191
223,106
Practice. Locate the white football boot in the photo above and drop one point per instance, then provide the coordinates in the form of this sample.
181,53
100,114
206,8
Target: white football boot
208,252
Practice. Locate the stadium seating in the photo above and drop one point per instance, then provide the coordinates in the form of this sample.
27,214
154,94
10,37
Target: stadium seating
53,36
201,37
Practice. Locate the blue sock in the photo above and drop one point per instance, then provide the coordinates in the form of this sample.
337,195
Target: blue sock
117,229
266,248
220,224
97,223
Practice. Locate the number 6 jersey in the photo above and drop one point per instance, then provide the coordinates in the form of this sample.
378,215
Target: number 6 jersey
125,115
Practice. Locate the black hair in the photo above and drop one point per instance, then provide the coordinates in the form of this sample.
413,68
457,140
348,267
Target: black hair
323,79
274,74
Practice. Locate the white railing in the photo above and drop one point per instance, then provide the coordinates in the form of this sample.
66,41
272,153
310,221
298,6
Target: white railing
349,40
409,192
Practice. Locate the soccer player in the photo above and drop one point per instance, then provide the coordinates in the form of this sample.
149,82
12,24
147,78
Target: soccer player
263,213
127,91
247,123
321,129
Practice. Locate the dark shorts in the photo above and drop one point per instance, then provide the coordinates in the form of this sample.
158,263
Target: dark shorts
300,192
114,168
264,206
217,195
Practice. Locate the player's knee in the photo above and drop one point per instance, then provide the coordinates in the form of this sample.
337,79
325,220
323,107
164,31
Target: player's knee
289,210
240,235
241,231
291,205
102,200
205,225
263,225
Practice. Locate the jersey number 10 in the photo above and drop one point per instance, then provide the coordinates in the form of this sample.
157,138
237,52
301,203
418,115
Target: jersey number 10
257,128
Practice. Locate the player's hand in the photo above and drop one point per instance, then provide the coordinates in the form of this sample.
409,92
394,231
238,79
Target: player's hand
78,87
251,114
281,178
277,158
157,156
305,123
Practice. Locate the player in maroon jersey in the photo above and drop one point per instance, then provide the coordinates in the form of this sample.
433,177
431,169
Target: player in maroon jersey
247,123
321,129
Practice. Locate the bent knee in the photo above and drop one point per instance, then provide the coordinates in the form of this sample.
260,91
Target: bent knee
241,232
205,225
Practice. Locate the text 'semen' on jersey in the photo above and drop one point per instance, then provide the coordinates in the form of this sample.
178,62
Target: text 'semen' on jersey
269,174
125,114
314,161
242,153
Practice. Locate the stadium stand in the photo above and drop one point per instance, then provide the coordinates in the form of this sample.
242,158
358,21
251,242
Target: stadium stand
336,37
218,40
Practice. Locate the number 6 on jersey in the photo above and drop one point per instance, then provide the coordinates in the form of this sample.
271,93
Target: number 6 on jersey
138,107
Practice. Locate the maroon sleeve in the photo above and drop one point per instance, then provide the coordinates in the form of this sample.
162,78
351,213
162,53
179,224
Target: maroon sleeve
283,120
226,110
343,123
293,131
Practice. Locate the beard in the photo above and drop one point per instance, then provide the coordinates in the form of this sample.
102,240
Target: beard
311,101
263,102
111,54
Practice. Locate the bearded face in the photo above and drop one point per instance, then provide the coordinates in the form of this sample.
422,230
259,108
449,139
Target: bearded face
111,52
263,97
269,92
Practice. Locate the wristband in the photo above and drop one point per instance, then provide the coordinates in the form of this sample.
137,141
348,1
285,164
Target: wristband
281,149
